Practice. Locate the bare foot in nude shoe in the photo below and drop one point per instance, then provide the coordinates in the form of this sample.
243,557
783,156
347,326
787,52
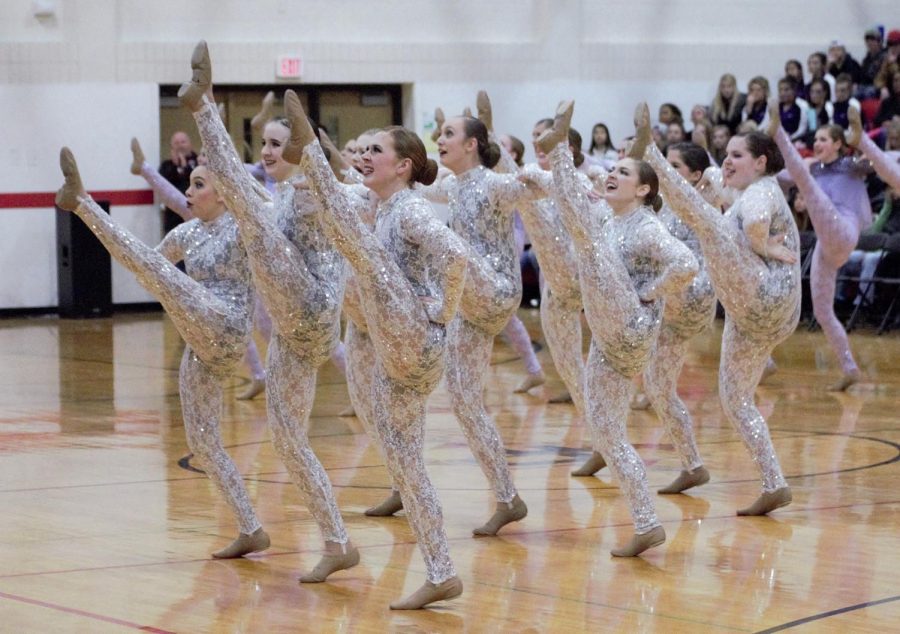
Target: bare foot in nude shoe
439,119
191,93
643,135
640,543
639,401
768,502
686,480
335,159
591,466
505,514
302,133
559,131
137,157
72,189
532,379
244,545
485,113
854,134
563,396
849,378
774,118
429,593
392,504
254,389
265,114
337,557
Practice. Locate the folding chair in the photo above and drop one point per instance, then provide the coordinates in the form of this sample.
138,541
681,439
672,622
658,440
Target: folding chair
868,242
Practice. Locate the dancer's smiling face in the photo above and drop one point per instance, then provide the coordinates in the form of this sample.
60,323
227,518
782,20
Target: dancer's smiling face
624,189
826,148
203,199
275,135
740,167
383,170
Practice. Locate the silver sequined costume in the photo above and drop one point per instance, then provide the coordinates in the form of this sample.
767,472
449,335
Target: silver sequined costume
761,296
561,303
300,278
410,257
627,264
481,204
687,314
211,307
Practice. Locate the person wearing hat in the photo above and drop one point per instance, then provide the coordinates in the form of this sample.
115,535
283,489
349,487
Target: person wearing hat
871,64
893,45
840,61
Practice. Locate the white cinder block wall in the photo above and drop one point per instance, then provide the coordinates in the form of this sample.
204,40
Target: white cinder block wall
527,53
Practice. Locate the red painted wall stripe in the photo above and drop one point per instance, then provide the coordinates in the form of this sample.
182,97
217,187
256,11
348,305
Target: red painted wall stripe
44,200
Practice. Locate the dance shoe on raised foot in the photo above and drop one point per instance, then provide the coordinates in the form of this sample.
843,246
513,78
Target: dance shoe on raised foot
768,502
505,513
848,379
244,545
387,507
533,379
265,114
255,388
302,133
854,134
559,132
72,189
592,466
429,593
191,93
640,543
643,135
137,157
334,559
774,118
687,480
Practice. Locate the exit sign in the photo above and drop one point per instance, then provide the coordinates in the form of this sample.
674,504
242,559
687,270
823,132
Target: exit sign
288,67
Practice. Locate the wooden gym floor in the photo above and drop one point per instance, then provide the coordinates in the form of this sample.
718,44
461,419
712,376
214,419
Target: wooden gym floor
107,527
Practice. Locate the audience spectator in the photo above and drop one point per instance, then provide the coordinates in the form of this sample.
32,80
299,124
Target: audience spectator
177,170
794,69
756,109
890,105
602,147
871,64
793,115
728,104
893,46
721,134
816,64
843,99
820,111
675,133
841,62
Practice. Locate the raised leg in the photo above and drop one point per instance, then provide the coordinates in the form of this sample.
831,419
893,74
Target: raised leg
887,169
